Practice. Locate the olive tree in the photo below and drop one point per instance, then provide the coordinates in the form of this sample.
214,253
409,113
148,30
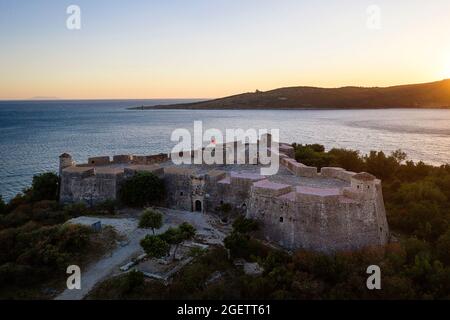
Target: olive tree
151,219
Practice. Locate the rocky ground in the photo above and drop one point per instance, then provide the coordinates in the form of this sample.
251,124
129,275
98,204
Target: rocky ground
209,232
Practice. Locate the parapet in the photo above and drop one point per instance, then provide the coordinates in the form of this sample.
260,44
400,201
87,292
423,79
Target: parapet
299,169
179,171
363,185
126,158
245,179
310,194
82,172
337,173
287,150
216,175
157,158
364,176
271,189
99,161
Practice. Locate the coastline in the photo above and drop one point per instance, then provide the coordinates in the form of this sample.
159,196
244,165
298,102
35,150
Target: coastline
175,107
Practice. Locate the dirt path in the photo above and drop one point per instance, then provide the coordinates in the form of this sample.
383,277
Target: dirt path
110,264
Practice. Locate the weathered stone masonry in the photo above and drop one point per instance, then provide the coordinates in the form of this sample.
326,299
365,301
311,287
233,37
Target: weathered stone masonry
299,207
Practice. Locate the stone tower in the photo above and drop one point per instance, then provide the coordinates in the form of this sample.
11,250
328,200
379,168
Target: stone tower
65,161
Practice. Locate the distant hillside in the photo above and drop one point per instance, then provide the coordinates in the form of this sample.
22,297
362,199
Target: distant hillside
425,95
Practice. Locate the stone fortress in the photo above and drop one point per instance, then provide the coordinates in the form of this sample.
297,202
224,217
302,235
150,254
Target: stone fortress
299,207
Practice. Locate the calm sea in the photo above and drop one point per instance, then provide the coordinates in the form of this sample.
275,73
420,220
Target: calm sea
33,134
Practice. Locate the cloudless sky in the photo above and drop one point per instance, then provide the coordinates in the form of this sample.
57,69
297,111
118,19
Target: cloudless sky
213,48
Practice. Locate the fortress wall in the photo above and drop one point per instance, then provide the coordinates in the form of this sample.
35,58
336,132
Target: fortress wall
346,175
270,189
299,169
381,219
218,193
148,160
90,189
287,150
269,212
178,191
244,180
99,161
330,172
139,160
126,158
157,158
214,176
310,198
184,154
325,224
337,173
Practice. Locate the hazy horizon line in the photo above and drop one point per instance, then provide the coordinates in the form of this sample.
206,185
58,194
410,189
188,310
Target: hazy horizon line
44,98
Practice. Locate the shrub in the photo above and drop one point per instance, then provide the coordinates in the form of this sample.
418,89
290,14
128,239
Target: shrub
244,225
347,159
48,212
106,207
176,236
224,211
310,157
382,166
76,209
155,246
151,219
443,247
143,189
44,187
132,281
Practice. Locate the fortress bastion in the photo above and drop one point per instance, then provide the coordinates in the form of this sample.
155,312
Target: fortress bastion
299,207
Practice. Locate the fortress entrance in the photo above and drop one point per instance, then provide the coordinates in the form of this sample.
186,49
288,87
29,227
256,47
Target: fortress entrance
198,206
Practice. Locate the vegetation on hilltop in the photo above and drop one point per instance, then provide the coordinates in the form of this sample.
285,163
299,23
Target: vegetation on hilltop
425,95
36,246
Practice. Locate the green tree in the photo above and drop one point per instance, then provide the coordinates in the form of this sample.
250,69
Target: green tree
224,211
132,281
106,207
176,236
347,159
44,187
244,225
238,244
443,247
382,166
155,246
143,189
151,219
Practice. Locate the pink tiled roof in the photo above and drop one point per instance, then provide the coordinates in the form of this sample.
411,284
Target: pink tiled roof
249,176
266,184
318,191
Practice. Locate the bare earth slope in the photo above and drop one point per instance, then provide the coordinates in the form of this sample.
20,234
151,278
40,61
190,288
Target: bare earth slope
426,95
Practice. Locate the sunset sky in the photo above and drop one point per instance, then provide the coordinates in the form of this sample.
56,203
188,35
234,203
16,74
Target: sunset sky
214,48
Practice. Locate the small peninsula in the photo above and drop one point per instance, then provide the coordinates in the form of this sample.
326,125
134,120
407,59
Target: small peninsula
425,95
